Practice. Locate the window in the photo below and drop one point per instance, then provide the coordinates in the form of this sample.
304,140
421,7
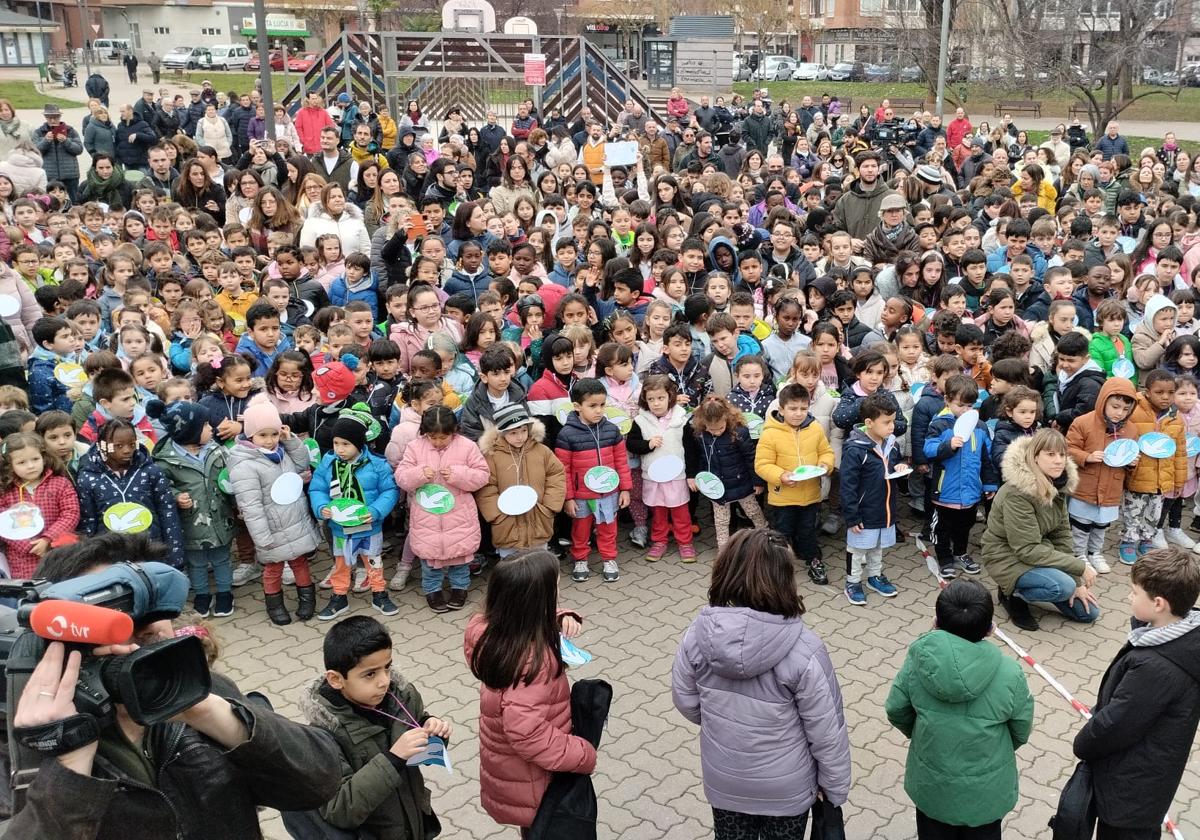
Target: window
870,7
900,6
210,30
162,30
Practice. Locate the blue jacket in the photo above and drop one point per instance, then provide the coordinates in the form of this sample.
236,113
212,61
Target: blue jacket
561,278
729,457
220,407
846,417
366,290
460,281
959,478
997,260
45,392
374,477
928,405
144,483
868,498
180,353
246,345
1006,432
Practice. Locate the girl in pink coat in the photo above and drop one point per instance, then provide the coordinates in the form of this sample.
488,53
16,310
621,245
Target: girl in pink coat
424,319
440,470
512,647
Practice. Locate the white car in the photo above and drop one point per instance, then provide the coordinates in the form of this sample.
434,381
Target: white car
810,72
226,57
775,68
185,58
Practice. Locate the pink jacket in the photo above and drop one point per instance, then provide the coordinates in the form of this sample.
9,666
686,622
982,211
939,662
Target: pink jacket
677,107
413,339
55,497
406,432
443,540
289,402
524,736
30,311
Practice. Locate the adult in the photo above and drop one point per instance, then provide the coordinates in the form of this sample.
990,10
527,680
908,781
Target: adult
1027,547
1112,143
24,167
331,162
387,185
243,187
160,174
490,134
959,128
337,216
96,87
677,105
154,62
196,190
214,131
105,182
756,129
523,123
591,153
22,320
192,113
60,146
1033,181
145,106
470,225
761,685
12,130
240,115
513,185
272,213
310,121
892,235
413,119
166,119
285,128
134,139
857,210
131,66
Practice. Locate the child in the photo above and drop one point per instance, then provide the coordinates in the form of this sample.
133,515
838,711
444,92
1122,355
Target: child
121,490
191,461
869,368
262,340
379,722
233,299
753,392
586,441
34,481
289,382
334,387
496,389
225,388
442,462
1188,410
1095,501
792,438
1108,344
654,326
1020,410
678,364
720,443
113,390
968,344
55,342
516,456
868,504
1149,478
1153,334
614,365
1079,381
955,686
356,283
351,472
57,429
554,386
962,474
657,434
1134,778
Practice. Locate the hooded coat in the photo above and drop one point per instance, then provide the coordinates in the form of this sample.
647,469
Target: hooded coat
967,708
26,171
209,522
772,727
1025,530
1157,475
781,449
348,227
280,532
440,540
534,465
1147,351
1100,484
1077,395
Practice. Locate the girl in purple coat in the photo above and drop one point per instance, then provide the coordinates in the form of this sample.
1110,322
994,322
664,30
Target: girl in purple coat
761,685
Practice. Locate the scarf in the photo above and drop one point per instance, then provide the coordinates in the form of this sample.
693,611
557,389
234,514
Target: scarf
12,127
102,188
345,484
890,234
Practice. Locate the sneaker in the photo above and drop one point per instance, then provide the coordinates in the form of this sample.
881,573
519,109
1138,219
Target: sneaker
687,554
880,584
611,573
656,552
1099,563
1159,540
967,563
580,572
476,565
640,536
829,524
223,605
289,577
327,581
1196,522
383,603
437,601
399,579
457,599
948,572
1144,546
855,595
817,573
360,580
337,605
202,604
1127,553
246,572
1179,538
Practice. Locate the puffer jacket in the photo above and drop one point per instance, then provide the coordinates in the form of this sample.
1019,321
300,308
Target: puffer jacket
1075,396
672,427
25,170
279,532
928,404
406,430
730,457
440,539
100,136
379,491
524,736
581,447
867,495
45,391
772,726
857,211
1006,432
846,415
1026,531
60,158
349,228
1157,475
960,477
1100,484
781,449
1147,351
413,338
533,465
209,522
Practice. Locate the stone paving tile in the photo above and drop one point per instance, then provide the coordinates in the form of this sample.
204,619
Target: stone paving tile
648,777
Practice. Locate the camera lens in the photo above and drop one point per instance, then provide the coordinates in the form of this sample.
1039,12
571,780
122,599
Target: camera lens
158,681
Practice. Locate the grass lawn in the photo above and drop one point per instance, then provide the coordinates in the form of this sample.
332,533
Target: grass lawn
280,84
26,95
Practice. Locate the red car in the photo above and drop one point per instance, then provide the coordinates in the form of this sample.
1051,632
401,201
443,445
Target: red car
301,63
276,61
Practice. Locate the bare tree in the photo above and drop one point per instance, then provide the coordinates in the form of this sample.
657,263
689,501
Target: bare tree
628,16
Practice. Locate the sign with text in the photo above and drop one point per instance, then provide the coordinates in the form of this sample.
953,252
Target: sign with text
535,68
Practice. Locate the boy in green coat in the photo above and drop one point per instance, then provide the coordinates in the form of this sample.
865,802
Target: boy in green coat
966,707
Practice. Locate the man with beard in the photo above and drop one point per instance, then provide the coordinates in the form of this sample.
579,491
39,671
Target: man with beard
857,211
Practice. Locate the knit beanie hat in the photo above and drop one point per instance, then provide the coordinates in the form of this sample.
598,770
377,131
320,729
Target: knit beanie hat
184,422
333,381
351,429
260,416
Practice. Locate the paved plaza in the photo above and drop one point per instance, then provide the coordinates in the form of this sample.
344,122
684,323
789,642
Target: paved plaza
648,773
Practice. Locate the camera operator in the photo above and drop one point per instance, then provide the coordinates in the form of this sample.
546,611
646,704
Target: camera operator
212,765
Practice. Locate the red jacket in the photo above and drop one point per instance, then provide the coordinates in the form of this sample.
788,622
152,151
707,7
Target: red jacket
524,736
55,497
308,123
580,448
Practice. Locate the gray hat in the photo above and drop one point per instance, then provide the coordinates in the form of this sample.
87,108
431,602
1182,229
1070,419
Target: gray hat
511,416
978,141
52,111
893,201
928,174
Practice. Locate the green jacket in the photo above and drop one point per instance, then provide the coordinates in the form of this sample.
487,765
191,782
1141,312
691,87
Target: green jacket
1104,353
966,707
376,795
209,522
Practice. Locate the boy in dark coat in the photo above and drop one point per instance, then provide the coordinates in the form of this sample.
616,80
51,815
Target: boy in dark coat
1076,394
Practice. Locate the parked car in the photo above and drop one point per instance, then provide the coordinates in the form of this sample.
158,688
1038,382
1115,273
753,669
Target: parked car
808,71
775,68
302,63
226,57
1170,79
741,69
185,58
877,72
911,74
276,61
848,71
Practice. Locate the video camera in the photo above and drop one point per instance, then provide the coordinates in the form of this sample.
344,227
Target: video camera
894,132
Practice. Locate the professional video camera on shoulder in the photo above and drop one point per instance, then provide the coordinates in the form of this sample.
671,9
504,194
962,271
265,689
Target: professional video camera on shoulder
154,683
893,132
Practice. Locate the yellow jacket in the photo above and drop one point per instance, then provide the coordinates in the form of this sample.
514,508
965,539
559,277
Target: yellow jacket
387,133
1047,196
781,449
236,308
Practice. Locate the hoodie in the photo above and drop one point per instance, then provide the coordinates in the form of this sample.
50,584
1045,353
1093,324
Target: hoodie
721,243
1147,352
1100,484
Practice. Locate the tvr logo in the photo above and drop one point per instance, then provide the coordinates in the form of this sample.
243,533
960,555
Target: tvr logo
60,627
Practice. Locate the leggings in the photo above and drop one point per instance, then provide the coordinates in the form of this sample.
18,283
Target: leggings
637,508
731,825
722,512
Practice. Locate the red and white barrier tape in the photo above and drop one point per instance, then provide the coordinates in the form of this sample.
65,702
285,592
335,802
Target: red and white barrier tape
1023,655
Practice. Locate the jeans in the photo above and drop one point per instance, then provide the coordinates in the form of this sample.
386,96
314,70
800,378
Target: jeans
799,524
431,578
199,559
1054,587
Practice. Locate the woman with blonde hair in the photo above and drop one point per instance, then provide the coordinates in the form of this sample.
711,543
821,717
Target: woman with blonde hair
309,193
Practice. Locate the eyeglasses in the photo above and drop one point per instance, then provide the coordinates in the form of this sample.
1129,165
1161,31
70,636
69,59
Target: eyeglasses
429,307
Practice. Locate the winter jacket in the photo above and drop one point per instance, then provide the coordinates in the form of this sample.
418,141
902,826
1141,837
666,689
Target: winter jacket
1105,352
1025,531
967,708
781,449
440,539
868,498
879,248
134,154
756,129
280,532
772,726
348,228
1147,352
475,285
477,410
55,497
1005,433
1157,475
308,123
524,736
646,426
1140,735
857,210
413,338
209,522
1100,484
846,415
534,465
1077,395
22,320
46,393
581,447
142,483
373,476
100,136
25,170
220,407
960,478
60,158
800,271
543,394
95,420
730,457
216,133
380,793
403,433
693,381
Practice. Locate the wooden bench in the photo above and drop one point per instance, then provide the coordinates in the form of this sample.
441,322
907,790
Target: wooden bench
1025,106
1078,109
899,105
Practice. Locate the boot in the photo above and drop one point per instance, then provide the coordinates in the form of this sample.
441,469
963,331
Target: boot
1019,612
276,611
306,608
